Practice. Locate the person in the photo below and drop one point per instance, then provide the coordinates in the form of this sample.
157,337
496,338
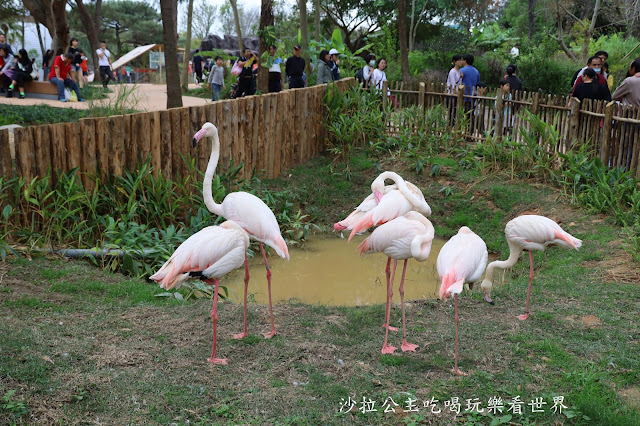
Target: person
104,62
324,72
514,82
455,76
589,88
3,40
128,70
294,68
46,64
379,76
61,77
603,58
629,91
334,63
84,67
515,51
470,75
608,77
594,63
216,78
21,74
197,66
276,79
367,71
246,85
76,64
505,92
6,70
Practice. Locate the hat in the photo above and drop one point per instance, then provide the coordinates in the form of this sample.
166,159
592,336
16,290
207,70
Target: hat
297,47
334,52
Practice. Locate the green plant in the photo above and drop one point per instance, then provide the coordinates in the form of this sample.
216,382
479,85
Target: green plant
15,408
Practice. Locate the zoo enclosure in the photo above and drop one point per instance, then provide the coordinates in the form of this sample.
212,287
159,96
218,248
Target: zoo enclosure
271,132
611,130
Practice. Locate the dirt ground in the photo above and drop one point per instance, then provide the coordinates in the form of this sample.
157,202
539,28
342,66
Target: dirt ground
153,97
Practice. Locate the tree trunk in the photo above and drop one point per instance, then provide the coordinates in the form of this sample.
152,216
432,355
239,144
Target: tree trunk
187,49
91,30
266,19
532,21
588,34
304,33
411,30
61,27
118,42
402,35
42,49
236,18
560,36
169,13
317,19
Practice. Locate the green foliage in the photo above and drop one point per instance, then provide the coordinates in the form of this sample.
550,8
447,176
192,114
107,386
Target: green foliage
552,75
15,408
125,101
41,114
492,37
617,47
349,61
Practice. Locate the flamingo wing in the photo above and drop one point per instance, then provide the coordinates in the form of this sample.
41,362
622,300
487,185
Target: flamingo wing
462,259
394,238
533,232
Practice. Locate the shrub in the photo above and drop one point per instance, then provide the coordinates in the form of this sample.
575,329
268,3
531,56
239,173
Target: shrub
550,74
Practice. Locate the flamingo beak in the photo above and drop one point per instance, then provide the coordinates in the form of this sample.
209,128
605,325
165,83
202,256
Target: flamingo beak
378,195
199,135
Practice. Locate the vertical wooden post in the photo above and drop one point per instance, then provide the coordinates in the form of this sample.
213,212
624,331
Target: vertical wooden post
535,103
460,108
421,91
5,155
606,133
499,115
385,90
575,120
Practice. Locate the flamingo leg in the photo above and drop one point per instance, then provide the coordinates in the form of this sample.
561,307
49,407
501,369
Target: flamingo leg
386,349
214,321
526,312
246,289
387,272
405,345
266,264
456,370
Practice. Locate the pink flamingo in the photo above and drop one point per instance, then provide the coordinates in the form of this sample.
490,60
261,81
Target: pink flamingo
209,255
405,237
391,202
461,260
528,232
248,211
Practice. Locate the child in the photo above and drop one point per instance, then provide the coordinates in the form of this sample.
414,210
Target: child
216,78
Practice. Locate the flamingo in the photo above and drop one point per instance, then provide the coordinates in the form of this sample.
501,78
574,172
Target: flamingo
405,237
462,259
528,232
209,255
391,203
248,211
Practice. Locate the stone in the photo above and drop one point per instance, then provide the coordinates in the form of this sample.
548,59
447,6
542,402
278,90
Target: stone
228,44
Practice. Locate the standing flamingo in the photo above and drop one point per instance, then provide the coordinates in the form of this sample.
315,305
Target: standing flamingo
248,211
405,237
462,259
528,232
392,203
208,254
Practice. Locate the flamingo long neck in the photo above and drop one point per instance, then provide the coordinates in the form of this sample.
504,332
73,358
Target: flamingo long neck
413,198
421,244
514,255
212,206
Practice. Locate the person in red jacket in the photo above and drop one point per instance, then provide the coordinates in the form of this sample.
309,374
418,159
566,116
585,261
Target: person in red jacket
595,63
60,76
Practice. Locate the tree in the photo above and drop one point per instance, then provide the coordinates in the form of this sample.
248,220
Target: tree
316,20
266,38
130,22
402,35
187,49
304,33
203,19
169,12
531,14
53,15
236,19
91,27
248,19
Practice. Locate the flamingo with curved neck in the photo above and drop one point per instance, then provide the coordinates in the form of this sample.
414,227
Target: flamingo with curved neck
248,211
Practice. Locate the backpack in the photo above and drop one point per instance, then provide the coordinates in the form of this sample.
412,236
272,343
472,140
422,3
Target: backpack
360,75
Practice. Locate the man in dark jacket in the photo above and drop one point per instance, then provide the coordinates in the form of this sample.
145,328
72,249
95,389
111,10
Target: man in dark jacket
197,66
295,68
246,86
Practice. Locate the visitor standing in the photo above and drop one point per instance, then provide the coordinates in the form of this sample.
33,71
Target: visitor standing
367,71
76,64
294,68
515,83
455,75
607,75
334,63
104,62
276,79
470,75
3,40
515,52
323,70
197,66
595,63
46,64
215,82
629,91
589,88
61,76
246,77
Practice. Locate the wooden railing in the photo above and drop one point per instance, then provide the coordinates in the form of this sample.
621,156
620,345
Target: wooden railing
612,130
268,133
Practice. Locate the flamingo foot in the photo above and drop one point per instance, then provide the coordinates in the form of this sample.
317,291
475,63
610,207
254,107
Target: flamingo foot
408,346
523,317
240,335
221,361
386,349
269,335
458,372
390,327
487,298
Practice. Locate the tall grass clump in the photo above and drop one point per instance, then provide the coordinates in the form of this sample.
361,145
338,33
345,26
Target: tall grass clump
126,100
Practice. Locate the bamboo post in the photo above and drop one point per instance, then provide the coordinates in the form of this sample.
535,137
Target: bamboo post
460,108
385,89
535,103
421,91
5,155
575,121
499,115
606,132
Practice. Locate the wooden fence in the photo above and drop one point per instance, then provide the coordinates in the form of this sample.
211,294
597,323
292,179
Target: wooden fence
612,130
271,132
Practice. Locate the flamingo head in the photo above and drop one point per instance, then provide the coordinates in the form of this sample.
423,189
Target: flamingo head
208,130
486,289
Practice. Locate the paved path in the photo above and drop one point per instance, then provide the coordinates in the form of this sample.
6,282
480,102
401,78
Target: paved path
152,97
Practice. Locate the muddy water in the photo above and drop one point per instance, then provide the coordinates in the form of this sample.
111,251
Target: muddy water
329,271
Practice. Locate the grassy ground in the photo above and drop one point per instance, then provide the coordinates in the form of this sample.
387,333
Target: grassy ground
83,345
